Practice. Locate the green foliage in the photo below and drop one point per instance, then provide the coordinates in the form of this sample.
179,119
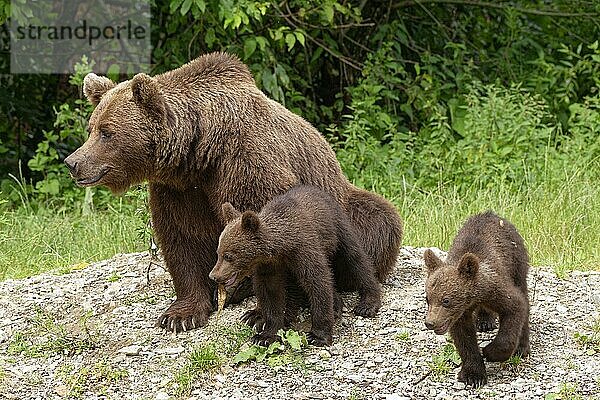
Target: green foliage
567,391
280,352
209,356
55,189
47,337
45,241
590,340
97,377
445,360
431,104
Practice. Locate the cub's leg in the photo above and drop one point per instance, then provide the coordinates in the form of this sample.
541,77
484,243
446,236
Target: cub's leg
512,322
523,346
486,321
352,261
314,276
269,286
464,336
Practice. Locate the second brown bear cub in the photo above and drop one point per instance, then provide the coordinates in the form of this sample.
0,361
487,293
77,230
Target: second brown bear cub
485,274
302,237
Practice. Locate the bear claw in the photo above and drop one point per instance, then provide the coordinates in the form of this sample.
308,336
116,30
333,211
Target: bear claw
472,378
264,339
254,319
318,340
183,316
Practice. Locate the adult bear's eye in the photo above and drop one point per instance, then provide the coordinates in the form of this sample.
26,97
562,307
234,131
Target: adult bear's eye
227,257
446,302
105,135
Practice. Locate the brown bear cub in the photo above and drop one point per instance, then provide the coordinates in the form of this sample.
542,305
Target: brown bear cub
302,237
484,275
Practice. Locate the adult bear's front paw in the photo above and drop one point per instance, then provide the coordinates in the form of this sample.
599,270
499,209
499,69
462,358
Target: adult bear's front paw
184,315
264,339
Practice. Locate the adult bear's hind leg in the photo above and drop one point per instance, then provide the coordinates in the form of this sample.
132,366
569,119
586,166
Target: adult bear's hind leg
378,227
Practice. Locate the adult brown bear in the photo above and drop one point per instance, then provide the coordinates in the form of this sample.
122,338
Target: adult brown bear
202,135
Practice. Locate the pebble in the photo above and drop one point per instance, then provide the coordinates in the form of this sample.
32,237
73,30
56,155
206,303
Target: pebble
324,354
132,350
170,350
161,396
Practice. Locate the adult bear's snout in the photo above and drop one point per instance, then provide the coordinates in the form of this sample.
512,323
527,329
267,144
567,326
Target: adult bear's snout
72,163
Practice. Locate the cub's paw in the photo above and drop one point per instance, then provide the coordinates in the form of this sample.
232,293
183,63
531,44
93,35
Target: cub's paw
486,322
184,315
319,339
497,352
366,308
264,339
522,350
254,319
475,377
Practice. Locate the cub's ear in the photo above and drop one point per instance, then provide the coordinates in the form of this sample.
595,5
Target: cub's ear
229,212
250,221
95,86
468,266
432,262
147,94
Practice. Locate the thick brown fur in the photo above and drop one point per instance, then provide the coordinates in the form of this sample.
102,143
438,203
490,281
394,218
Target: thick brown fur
300,236
204,134
484,275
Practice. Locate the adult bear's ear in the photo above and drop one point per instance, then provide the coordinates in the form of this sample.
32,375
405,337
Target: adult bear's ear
95,86
468,266
147,94
432,262
250,221
229,212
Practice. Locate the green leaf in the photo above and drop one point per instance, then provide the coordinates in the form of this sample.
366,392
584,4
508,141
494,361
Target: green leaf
246,355
290,39
237,21
185,7
201,4
299,37
328,12
274,348
262,42
175,4
249,47
209,37
294,340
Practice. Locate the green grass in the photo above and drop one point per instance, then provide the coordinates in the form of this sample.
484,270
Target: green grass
560,221
33,243
445,360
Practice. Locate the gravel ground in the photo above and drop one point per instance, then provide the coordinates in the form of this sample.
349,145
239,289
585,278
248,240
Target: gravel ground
90,334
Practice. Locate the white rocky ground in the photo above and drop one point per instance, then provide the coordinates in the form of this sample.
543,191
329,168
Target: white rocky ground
90,334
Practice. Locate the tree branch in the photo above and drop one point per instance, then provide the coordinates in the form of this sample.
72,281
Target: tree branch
549,13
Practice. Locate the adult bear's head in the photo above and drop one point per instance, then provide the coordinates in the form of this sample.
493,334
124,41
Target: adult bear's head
123,131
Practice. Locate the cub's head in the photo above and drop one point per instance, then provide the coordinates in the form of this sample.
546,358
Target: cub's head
123,129
241,247
449,290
